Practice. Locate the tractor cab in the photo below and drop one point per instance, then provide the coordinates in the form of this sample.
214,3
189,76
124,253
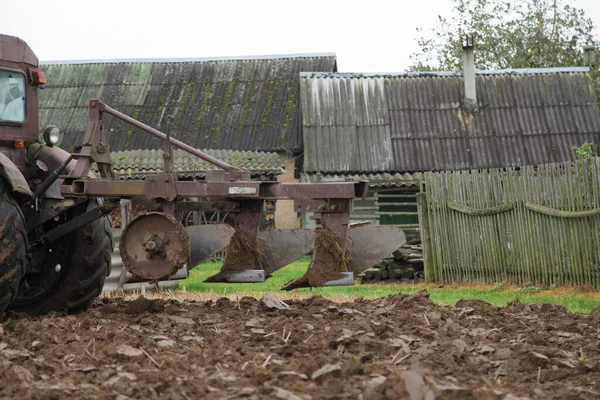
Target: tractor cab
20,80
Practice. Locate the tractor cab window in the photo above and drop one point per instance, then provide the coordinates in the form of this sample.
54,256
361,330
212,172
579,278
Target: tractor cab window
12,97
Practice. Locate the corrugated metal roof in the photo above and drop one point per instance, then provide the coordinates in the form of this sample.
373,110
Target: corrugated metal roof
377,179
135,164
190,59
336,138
528,117
507,71
240,104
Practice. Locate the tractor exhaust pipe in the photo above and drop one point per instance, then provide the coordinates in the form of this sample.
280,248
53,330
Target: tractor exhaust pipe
53,177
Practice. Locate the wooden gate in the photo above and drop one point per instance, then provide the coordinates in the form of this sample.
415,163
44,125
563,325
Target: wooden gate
537,225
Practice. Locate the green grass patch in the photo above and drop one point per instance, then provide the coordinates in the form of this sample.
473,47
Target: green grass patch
499,295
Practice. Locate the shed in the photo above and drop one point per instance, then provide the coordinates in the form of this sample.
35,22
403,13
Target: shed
246,104
389,128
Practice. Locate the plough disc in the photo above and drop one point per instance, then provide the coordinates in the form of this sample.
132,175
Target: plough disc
154,246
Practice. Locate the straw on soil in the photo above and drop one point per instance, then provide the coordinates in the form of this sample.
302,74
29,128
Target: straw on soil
245,251
331,258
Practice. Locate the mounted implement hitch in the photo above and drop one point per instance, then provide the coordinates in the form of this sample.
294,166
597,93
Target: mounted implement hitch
155,245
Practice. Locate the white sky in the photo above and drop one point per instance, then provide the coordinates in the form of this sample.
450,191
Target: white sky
367,36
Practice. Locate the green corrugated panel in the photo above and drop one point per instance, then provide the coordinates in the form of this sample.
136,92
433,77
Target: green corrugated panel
97,75
61,117
225,71
55,74
136,84
145,161
48,97
68,97
139,73
77,120
88,93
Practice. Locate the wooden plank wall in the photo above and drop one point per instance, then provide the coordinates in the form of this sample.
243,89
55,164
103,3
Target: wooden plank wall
534,226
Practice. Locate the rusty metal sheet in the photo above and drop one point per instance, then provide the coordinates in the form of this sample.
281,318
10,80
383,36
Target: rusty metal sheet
370,244
284,246
154,246
206,240
16,50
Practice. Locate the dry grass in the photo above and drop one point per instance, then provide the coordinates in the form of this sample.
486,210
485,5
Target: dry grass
183,295
572,298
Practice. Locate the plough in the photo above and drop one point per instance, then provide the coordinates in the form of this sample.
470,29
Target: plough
154,245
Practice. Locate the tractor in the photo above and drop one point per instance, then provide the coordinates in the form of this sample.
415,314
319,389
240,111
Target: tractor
55,234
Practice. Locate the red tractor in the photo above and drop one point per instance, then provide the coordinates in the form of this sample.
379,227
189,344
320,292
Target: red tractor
55,237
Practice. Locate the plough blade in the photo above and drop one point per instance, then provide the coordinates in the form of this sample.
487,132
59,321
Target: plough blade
335,265
371,244
244,261
207,240
334,262
276,249
284,246
329,265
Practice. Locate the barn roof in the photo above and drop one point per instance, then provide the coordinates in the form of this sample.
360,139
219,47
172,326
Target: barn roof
248,103
135,164
411,122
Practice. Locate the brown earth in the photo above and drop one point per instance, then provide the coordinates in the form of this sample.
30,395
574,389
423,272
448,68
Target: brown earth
397,347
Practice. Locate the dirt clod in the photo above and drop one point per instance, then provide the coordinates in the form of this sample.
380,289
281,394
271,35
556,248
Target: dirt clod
397,347
142,304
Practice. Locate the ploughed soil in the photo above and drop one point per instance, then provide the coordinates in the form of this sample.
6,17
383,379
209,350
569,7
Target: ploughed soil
397,347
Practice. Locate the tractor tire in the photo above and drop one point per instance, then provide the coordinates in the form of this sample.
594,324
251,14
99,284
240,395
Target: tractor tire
13,247
84,258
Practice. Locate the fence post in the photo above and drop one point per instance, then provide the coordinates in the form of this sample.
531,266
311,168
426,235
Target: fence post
423,212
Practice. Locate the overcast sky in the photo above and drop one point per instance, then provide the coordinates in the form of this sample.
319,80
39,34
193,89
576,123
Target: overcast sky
367,36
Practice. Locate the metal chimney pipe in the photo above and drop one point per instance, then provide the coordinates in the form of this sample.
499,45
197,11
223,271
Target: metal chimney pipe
589,55
469,74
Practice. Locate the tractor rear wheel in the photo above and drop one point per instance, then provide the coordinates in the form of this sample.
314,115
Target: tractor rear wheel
71,270
13,247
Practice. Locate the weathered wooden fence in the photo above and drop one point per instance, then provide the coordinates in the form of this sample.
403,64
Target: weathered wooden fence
537,225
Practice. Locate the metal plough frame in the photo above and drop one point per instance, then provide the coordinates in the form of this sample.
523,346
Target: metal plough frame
229,191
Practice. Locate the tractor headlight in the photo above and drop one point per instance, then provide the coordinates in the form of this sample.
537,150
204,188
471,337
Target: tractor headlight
52,135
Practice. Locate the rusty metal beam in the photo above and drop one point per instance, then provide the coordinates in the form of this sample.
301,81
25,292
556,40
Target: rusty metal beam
292,191
234,190
206,157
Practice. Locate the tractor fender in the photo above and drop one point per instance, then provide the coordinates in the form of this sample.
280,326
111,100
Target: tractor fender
12,174
52,158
